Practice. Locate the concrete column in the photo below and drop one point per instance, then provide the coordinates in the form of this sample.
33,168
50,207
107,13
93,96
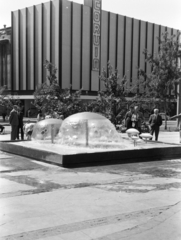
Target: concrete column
88,3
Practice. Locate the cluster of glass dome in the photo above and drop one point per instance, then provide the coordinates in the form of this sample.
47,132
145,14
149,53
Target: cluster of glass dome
44,129
85,128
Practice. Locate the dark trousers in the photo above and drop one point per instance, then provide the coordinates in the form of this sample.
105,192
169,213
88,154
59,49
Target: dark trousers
14,131
1,128
155,129
22,132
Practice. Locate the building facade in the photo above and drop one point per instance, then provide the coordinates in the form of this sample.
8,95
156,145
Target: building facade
79,40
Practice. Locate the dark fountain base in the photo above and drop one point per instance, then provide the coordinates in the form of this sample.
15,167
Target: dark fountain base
68,156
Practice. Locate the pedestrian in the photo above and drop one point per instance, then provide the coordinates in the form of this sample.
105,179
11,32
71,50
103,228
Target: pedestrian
155,122
40,116
128,116
20,126
4,113
29,113
14,122
2,128
28,129
137,119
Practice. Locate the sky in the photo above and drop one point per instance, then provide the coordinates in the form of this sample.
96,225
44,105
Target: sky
162,12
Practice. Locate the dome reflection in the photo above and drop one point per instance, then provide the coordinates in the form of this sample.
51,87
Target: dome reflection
43,129
87,127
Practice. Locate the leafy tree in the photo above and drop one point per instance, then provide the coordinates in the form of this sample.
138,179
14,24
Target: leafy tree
6,99
165,72
51,99
111,101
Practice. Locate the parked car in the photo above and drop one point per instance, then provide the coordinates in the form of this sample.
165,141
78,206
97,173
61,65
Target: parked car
163,116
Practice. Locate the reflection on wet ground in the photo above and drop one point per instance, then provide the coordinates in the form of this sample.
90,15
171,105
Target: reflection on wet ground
125,177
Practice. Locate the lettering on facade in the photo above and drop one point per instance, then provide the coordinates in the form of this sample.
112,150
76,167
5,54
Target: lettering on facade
96,35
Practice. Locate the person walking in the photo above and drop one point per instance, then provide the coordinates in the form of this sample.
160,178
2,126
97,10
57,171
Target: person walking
128,116
14,122
20,126
155,122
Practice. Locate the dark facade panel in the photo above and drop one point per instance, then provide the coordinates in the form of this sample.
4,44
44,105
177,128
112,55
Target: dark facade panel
1,65
15,33
86,51
149,45
76,46
9,68
128,41
175,32
22,40
163,30
66,44
142,44
135,56
112,40
38,45
30,48
120,46
55,35
104,44
142,48
4,66
155,39
169,30
46,35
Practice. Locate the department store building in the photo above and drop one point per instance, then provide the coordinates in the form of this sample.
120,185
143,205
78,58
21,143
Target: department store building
79,39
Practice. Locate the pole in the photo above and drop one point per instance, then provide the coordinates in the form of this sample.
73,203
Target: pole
52,133
86,133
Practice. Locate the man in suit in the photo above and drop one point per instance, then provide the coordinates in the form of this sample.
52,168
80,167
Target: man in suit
155,122
20,126
14,122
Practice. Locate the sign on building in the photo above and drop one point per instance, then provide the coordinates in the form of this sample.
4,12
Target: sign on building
96,35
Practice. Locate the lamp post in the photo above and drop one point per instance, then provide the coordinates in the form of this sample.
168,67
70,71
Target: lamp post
178,117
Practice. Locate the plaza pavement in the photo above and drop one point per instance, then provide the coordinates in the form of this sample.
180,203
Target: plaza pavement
138,201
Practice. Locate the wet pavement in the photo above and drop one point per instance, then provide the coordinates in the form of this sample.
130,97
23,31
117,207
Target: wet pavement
128,201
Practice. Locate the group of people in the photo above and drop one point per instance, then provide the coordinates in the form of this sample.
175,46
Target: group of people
17,125
134,119
16,122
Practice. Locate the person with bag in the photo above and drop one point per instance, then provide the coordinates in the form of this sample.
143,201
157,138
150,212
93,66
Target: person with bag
155,122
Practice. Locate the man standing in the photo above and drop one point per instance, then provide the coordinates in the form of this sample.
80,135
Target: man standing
14,122
20,126
128,123
155,122
137,119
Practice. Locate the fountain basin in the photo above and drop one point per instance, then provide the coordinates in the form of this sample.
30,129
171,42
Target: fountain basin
73,156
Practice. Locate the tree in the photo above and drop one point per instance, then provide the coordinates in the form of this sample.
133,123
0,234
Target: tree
165,74
7,100
111,101
51,99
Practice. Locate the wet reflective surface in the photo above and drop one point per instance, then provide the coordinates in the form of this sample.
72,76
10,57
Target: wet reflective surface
40,200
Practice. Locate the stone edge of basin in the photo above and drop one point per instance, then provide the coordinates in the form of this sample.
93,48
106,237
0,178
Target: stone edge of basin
95,158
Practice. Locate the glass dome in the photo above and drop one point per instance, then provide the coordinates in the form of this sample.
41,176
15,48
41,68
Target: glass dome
43,129
87,128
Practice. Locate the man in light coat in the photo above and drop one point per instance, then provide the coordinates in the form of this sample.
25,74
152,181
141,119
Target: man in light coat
14,122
